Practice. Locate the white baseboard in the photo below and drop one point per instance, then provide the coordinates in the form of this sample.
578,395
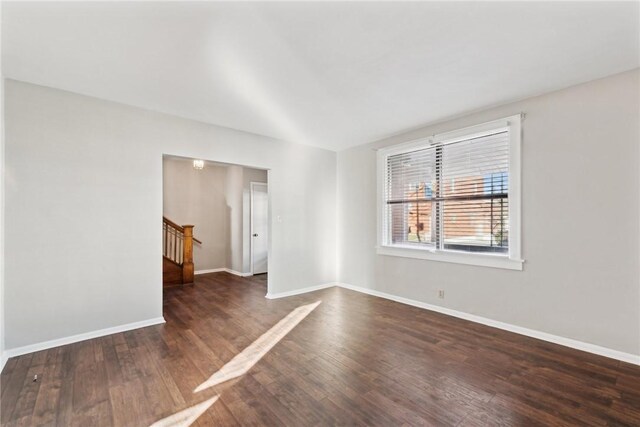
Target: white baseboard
218,270
237,273
211,270
567,342
300,291
18,351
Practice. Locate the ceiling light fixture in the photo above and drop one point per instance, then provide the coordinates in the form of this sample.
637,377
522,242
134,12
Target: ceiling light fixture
198,164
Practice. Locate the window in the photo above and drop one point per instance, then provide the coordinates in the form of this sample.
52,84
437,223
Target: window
454,197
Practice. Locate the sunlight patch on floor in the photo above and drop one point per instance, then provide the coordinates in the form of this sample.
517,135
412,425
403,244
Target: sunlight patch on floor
186,417
241,363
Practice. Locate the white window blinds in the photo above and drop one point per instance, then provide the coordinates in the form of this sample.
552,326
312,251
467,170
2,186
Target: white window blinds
450,196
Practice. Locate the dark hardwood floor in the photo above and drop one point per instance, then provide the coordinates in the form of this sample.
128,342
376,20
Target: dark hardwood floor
353,360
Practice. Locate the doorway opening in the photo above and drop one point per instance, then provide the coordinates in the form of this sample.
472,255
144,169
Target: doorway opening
215,219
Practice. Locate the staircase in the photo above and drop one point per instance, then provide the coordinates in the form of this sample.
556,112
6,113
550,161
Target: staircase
177,253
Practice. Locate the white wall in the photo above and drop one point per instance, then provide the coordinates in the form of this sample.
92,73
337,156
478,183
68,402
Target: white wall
233,195
2,238
2,322
84,194
580,221
84,203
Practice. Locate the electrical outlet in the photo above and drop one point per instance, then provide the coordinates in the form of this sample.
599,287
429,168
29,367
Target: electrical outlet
441,293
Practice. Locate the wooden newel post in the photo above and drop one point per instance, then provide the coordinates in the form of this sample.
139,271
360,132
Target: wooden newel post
187,255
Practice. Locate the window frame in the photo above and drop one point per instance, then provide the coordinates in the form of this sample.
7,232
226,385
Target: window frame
512,260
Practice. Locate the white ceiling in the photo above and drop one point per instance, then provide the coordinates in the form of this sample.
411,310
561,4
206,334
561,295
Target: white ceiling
332,75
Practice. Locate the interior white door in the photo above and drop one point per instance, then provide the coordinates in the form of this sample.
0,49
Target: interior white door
259,228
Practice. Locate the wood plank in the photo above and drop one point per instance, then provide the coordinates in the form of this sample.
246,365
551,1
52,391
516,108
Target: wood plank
354,360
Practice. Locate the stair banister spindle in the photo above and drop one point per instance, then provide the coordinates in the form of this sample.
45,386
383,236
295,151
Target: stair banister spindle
172,250
187,254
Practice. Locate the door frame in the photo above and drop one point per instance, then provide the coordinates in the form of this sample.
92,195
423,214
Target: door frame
252,185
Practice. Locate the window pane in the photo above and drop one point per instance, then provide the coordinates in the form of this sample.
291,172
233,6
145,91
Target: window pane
476,166
476,225
475,179
411,175
411,223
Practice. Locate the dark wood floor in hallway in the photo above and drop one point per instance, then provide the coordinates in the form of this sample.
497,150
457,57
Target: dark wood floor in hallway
353,360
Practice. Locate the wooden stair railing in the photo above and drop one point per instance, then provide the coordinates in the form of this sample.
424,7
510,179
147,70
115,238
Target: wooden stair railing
177,253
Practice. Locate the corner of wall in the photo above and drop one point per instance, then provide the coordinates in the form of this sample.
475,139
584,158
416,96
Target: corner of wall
234,184
3,358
